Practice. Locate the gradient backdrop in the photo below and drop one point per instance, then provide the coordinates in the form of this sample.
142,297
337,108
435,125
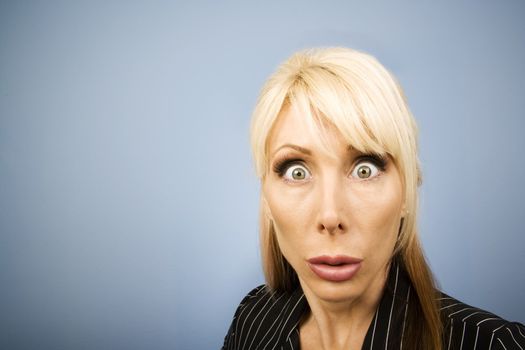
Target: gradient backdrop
128,202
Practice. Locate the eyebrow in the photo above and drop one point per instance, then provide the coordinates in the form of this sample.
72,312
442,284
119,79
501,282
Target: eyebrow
295,147
306,151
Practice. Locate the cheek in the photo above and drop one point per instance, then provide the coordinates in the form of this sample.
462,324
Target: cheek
291,215
381,211
288,206
377,214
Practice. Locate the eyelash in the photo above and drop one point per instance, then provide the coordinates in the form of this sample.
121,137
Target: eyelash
283,164
379,161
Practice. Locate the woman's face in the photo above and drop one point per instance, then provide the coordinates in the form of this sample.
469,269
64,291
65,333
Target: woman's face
336,211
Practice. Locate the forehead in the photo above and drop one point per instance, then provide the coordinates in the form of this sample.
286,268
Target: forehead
297,127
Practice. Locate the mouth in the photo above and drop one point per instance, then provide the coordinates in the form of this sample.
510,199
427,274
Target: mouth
337,268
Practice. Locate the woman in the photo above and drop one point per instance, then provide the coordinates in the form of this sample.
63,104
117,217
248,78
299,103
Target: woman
335,147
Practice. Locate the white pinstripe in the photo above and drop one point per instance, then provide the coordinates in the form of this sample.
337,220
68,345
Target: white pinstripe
446,307
445,298
463,335
472,314
391,309
249,313
492,337
487,319
457,312
285,322
374,331
497,329
282,310
237,324
281,325
451,330
476,341
405,319
294,328
260,323
514,339
519,330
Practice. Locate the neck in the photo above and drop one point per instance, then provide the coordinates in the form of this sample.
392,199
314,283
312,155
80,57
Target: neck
343,324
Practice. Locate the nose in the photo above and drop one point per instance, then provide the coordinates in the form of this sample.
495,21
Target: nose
331,218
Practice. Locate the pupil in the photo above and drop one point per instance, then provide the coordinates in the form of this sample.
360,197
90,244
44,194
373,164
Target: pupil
298,174
364,172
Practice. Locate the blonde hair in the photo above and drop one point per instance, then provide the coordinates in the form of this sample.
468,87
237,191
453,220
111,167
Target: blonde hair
355,93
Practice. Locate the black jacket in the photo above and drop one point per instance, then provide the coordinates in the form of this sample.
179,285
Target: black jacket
266,320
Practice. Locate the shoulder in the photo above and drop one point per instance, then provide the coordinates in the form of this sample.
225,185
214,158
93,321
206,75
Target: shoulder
264,317
468,327
252,299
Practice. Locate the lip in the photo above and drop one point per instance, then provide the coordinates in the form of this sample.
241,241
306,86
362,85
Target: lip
337,268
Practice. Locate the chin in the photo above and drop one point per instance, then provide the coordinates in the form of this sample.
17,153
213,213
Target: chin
335,291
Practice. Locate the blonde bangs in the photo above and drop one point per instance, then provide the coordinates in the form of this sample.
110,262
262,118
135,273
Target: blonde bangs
324,98
358,96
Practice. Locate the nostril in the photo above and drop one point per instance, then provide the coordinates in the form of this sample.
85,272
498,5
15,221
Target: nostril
331,228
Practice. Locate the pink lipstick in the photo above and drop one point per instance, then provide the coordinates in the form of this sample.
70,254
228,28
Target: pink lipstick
337,268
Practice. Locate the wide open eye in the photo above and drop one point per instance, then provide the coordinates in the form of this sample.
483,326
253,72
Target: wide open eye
297,172
365,170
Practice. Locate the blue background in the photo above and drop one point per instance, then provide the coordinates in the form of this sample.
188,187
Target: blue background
128,201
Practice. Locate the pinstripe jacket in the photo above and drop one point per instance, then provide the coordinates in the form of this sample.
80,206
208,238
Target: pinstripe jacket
266,320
